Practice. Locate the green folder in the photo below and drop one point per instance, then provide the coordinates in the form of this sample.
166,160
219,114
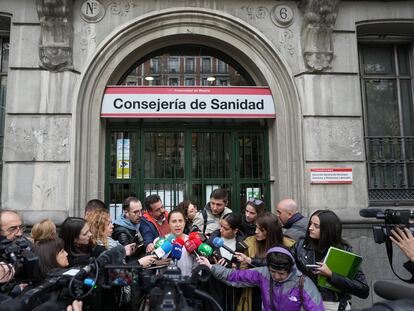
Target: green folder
341,262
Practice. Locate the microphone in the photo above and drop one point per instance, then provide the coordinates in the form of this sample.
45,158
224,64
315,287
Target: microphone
179,241
177,252
197,235
158,242
191,247
113,256
371,212
164,249
393,291
171,238
218,242
205,250
197,241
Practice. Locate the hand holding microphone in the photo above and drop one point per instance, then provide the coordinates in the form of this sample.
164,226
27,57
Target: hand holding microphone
218,242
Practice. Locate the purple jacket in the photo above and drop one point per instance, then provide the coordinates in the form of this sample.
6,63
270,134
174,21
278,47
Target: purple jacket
286,293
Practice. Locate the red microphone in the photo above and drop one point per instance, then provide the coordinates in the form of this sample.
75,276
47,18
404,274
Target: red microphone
191,247
197,235
179,241
195,238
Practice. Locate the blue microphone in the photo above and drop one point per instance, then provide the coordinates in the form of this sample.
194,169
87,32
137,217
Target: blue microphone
163,250
218,242
176,253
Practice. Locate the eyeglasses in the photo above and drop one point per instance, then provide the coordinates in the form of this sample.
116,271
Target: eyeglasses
15,229
255,201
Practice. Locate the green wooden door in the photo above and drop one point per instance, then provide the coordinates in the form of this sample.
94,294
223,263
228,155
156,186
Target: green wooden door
186,163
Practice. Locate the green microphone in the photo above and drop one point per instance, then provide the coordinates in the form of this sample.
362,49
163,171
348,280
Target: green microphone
205,250
159,242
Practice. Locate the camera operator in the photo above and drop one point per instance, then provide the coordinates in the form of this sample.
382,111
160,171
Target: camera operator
404,239
11,229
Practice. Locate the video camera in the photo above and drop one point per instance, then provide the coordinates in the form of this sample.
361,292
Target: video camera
392,218
19,254
169,290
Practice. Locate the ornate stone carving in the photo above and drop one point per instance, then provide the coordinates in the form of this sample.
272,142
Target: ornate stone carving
56,34
319,20
255,13
286,41
121,8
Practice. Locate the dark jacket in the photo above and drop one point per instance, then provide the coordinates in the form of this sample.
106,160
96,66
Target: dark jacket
358,286
248,228
409,266
148,231
123,235
296,227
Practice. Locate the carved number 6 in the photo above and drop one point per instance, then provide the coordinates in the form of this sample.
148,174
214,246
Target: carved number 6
283,13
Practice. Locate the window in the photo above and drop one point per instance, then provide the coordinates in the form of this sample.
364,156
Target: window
386,81
189,65
155,65
189,82
173,81
206,65
222,82
181,61
4,65
173,65
221,66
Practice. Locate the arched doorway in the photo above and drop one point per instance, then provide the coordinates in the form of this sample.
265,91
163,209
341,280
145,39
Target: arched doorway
196,27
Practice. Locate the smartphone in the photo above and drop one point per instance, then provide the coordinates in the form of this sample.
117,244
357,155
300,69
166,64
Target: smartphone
312,266
242,245
138,240
120,275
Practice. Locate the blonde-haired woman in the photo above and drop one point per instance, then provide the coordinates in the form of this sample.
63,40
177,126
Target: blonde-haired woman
43,231
101,228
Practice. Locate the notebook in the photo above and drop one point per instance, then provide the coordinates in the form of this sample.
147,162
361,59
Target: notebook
341,262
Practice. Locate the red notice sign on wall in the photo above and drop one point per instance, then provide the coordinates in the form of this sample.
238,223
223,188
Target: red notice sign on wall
331,175
189,102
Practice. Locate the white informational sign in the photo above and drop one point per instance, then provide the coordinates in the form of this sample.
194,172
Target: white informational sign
331,175
252,193
190,102
123,162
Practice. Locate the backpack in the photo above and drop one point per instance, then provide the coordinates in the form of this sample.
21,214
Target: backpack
204,213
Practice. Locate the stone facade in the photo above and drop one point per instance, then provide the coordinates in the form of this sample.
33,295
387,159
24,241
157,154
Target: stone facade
63,54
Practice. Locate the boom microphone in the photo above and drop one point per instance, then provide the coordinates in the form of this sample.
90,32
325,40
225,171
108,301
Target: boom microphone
218,242
393,291
113,256
370,212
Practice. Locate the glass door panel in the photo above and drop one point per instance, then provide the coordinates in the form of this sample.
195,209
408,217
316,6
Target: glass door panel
187,164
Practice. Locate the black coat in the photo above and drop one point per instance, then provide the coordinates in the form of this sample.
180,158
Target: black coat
248,228
358,286
123,235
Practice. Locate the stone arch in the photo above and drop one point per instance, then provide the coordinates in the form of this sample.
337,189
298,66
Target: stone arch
194,26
